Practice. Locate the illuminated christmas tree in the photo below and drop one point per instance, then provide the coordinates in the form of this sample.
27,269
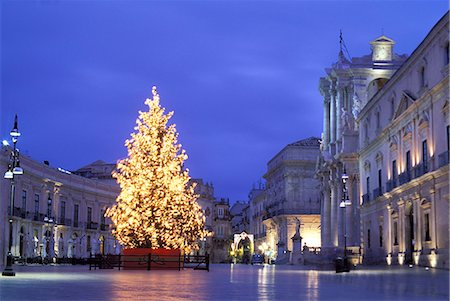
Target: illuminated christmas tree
157,206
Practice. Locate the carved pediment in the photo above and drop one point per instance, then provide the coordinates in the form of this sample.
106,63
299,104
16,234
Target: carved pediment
367,166
407,132
379,158
405,102
445,109
424,119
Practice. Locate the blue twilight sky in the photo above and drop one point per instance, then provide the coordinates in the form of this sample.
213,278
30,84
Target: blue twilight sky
241,76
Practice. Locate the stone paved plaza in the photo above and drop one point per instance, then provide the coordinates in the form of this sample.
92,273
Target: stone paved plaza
225,282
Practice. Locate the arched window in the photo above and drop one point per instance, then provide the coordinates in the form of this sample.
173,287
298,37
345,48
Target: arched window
447,54
392,107
422,76
377,120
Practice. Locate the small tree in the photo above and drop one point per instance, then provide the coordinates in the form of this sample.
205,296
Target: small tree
156,207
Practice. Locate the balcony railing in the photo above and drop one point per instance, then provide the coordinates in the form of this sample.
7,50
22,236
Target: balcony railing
420,169
273,213
404,177
389,185
443,158
19,212
104,227
91,225
64,221
76,224
377,192
366,198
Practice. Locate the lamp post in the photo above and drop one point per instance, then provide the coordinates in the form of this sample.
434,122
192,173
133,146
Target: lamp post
343,204
14,169
48,219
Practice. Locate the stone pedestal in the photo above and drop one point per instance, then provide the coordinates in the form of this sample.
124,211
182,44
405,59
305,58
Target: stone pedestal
297,256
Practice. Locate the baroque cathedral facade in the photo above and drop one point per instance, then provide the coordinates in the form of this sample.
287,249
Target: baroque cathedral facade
384,157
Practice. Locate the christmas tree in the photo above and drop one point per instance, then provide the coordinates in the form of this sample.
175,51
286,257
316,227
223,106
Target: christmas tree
157,206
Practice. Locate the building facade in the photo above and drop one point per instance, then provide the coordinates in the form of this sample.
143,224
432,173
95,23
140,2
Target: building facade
346,89
206,199
292,201
404,154
222,236
56,214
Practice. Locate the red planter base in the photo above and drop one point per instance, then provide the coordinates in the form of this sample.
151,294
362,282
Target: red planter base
152,259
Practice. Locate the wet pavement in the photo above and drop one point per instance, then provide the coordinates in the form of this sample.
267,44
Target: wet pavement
225,282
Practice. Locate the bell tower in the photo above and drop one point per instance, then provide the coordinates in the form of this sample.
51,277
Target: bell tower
382,49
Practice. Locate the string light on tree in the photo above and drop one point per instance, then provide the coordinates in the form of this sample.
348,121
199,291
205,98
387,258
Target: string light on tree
157,206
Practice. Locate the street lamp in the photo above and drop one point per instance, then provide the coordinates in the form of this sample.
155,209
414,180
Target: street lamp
48,219
343,204
14,169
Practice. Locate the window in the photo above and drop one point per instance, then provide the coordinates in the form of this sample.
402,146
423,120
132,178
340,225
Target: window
379,180
408,162
220,212
422,77
49,208
368,238
392,108
448,137
102,217
89,214
425,155
220,231
36,206
395,234
368,185
88,243
62,214
447,55
76,209
394,172
24,200
380,229
427,227
366,131
377,120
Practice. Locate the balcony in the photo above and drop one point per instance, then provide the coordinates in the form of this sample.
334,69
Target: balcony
273,213
38,217
443,158
405,177
76,224
391,184
377,192
91,226
420,169
19,212
64,221
104,227
366,198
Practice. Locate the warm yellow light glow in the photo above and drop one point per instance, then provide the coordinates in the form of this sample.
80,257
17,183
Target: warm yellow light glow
433,260
401,259
389,259
156,207
416,258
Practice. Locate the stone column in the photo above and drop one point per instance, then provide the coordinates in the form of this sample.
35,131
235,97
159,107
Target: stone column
401,225
340,212
325,216
349,224
326,122
324,91
417,224
339,106
433,226
389,243
333,214
333,115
